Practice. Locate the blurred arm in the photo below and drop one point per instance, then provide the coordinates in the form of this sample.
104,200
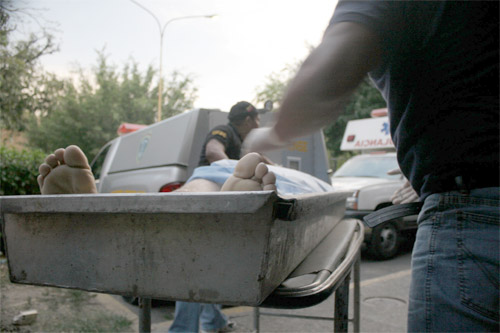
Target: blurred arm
322,86
327,79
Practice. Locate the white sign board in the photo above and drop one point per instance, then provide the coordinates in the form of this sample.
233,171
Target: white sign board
366,134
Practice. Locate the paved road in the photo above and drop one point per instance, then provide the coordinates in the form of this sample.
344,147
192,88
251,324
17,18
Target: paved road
384,299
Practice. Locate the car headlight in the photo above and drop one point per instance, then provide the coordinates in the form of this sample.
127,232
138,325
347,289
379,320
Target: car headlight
352,201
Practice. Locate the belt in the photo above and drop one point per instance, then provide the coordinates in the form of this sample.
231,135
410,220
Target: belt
463,184
392,212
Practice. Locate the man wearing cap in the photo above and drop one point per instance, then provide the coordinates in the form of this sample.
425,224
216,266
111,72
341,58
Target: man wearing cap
224,141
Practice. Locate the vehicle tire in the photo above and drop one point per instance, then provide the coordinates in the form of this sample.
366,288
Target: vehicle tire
385,241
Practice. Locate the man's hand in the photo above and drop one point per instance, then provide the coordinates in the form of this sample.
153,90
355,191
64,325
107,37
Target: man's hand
263,139
405,194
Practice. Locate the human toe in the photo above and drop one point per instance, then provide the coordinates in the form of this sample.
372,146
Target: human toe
269,179
270,187
247,165
269,182
261,170
44,169
52,161
74,157
59,154
40,179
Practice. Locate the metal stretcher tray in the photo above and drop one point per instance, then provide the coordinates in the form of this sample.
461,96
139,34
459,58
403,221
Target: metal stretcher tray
228,248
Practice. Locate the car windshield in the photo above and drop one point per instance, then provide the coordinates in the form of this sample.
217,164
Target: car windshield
369,166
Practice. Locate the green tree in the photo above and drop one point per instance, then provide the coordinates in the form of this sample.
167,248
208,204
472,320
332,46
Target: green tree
275,85
179,95
364,100
19,170
89,112
19,74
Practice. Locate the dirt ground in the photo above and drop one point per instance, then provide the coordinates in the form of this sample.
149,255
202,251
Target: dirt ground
59,310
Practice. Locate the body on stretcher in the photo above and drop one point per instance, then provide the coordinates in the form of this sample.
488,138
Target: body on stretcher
227,248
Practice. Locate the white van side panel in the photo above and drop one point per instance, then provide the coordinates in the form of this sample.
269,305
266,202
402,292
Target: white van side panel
207,119
169,151
142,181
165,143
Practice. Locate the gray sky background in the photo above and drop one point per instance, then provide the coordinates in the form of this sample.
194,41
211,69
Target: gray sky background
229,56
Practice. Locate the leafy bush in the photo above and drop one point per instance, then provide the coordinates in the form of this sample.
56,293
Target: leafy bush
18,171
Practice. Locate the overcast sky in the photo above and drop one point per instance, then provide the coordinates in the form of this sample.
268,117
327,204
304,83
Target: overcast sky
229,56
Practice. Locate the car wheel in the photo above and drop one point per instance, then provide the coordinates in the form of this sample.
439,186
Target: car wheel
385,241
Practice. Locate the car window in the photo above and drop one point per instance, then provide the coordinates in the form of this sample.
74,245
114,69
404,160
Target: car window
368,166
98,162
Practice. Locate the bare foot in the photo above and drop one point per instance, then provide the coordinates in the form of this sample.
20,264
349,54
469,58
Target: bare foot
67,171
251,174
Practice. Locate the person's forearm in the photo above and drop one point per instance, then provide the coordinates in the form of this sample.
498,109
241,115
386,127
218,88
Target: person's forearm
215,151
216,156
326,80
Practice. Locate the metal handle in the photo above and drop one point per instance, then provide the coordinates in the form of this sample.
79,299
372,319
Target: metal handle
326,279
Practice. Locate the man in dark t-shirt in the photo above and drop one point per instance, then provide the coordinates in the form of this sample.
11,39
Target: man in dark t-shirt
440,80
224,141
437,65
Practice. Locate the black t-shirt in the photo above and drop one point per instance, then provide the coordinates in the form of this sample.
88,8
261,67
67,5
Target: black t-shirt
229,137
440,77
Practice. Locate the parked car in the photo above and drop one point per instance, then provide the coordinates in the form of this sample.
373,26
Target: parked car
366,176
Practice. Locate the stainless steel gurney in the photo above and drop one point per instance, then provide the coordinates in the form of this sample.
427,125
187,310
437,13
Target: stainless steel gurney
227,248
327,269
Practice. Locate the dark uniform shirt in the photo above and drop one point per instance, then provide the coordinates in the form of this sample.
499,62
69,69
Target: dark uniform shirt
229,137
440,77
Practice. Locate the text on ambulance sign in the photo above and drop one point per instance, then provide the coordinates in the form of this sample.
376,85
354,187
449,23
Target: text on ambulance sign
365,134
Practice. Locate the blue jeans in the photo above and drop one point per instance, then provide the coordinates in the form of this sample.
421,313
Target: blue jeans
455,269
188,316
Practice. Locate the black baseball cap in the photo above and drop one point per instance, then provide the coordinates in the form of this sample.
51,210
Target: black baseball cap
240,110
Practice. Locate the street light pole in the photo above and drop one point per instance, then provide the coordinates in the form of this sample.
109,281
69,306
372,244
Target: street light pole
162,31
